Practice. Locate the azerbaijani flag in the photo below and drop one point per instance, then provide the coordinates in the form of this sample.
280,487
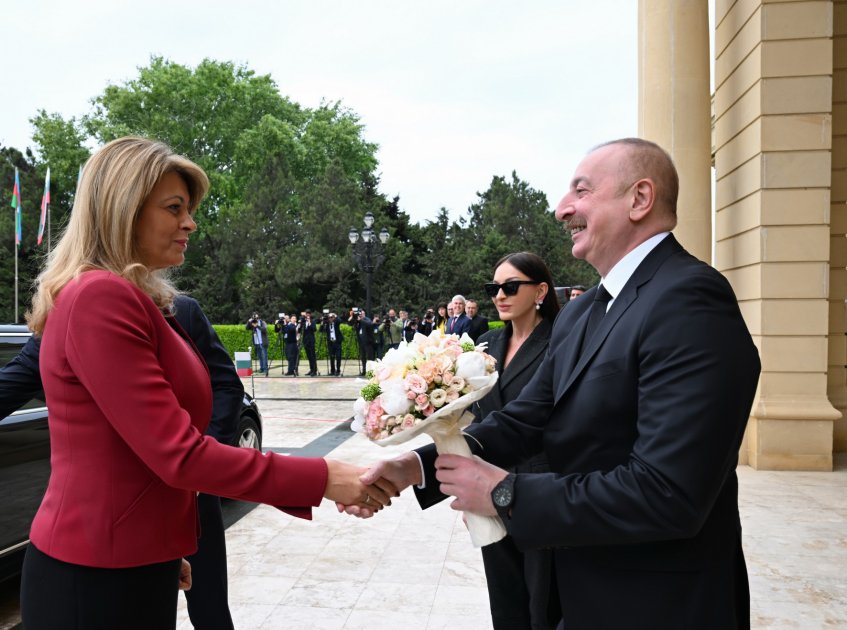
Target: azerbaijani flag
16,204
243,364
45,201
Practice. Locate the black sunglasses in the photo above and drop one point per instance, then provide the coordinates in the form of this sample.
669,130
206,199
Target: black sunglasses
509,288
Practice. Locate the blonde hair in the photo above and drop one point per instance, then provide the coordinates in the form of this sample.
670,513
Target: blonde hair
101,230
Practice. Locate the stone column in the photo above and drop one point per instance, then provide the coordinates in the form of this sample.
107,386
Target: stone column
838,227
773,134
674,106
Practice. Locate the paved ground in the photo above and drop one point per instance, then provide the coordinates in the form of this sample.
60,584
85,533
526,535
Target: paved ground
417,569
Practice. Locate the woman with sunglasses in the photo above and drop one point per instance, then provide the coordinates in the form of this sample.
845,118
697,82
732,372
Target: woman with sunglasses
521,589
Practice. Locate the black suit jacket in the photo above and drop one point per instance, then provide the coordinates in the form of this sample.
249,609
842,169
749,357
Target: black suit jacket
227,389
20,380
479,326
642,432
325,328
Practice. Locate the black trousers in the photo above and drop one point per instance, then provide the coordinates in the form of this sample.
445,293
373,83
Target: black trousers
522,591
57,595
334,356
366,353
309,347
207,599
291,355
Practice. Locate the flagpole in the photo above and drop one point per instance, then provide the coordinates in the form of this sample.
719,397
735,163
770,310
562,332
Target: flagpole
16,281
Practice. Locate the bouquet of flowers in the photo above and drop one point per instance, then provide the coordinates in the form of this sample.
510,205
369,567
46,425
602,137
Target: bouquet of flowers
426,386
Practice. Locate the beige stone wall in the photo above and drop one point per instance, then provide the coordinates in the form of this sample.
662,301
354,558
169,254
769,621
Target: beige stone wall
838,226
773,117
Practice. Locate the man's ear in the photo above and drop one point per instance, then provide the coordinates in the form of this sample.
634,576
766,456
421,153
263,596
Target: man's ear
643,199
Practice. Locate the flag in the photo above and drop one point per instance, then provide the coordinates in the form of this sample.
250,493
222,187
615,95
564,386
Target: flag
16,204
243,364
45,201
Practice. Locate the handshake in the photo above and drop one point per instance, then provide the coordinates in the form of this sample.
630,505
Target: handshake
364,492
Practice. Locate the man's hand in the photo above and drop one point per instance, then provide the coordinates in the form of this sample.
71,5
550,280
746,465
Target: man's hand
185,575
344,486
397,474
470,480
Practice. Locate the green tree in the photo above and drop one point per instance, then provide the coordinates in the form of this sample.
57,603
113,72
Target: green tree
260,151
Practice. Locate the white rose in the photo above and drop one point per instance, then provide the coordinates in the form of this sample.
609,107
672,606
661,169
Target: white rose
470,365
393,398
360,412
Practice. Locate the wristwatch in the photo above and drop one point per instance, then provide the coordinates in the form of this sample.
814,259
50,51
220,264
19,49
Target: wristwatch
503,496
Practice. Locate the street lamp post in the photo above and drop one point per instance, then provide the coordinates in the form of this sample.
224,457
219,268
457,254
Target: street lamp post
368,253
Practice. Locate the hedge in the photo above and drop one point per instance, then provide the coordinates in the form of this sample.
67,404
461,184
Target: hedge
237,337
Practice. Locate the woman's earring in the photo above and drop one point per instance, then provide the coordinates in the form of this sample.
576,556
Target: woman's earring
538,306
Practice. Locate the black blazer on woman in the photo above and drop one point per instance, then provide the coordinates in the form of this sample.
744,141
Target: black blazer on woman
520,585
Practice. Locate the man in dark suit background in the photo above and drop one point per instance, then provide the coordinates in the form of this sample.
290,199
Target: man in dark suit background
334,342
640,406
479,324
363,326
307,335
20,381
459,323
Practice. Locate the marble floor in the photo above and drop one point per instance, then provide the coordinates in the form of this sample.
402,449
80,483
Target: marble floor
418,569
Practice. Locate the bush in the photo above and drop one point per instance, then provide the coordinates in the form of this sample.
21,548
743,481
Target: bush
237,338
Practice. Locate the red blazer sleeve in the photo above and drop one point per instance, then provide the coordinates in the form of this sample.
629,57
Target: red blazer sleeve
154,392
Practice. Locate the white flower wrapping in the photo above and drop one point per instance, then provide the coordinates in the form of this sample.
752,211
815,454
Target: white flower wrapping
426,386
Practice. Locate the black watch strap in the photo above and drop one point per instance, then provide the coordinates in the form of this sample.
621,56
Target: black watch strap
503,496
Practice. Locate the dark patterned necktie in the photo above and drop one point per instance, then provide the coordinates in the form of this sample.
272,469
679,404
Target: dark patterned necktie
598,311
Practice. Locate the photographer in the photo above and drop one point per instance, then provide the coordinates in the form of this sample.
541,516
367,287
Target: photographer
307,335
256,325
410,329
379,338
391,335
365,334
426,326
289,338
331,327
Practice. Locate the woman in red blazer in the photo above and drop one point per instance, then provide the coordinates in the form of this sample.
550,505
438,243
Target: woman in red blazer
129,401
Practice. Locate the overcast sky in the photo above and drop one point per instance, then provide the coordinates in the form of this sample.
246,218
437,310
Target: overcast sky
452,92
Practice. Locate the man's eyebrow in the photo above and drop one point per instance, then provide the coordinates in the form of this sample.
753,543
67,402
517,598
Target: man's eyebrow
579,180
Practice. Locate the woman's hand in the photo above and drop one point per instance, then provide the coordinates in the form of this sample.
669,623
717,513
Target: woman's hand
185,575
345,487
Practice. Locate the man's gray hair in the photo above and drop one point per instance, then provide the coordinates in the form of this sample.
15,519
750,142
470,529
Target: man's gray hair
459,298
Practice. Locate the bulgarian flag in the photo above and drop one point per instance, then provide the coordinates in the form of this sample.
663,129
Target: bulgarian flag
45,201
243,364
16,204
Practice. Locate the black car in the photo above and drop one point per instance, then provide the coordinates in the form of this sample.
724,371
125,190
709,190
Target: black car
25,458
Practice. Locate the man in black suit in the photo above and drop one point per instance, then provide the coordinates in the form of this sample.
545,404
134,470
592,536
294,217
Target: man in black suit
640,410
479,324
363,326
459,323
334,342
307,335
20,381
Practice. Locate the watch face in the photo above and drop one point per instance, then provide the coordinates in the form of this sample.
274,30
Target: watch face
502,496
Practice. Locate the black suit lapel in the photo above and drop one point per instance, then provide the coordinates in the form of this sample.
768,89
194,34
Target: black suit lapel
643,273
534,345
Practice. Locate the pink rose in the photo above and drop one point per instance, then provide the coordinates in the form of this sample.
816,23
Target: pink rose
421,400
447,377
428,410
452,395
408,421
427,372
415,383
410,395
